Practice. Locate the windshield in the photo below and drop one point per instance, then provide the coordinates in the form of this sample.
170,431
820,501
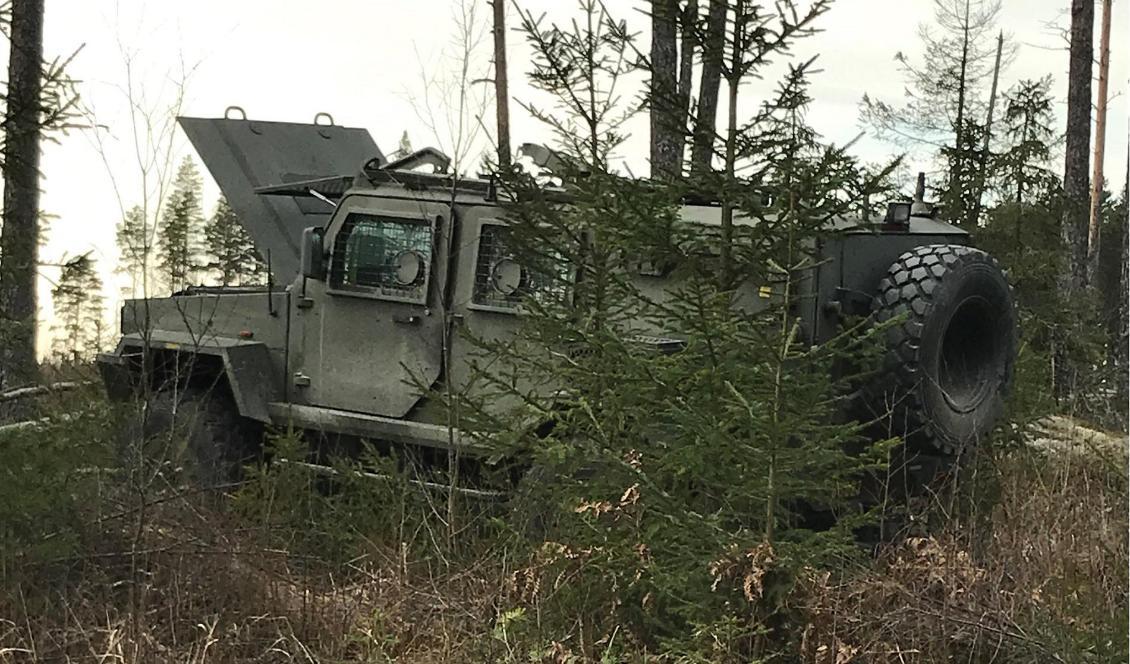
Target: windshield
383,256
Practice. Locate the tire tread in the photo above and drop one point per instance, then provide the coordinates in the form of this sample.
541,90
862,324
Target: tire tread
908,291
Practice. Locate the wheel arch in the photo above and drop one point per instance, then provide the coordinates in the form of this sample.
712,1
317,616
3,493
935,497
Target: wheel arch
153,361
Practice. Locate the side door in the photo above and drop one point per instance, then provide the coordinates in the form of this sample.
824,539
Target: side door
371,334
487,301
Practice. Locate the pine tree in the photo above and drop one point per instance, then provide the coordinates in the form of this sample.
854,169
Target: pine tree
78,304
135,253
1094,232
669,473
1070,371
231,253
675,38
40,97
501,84
946,98
180,233
1121,339
664,116
706,115
1022,168
19,235
1077,153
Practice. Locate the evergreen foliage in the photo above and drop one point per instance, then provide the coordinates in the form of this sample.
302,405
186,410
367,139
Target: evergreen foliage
231,254
945,112
578,69
79,329
134,246
1022,167
1024,231
685,489
180,232
692,473
46,486
945,99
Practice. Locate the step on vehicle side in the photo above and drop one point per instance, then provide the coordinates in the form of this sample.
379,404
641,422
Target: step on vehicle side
367,269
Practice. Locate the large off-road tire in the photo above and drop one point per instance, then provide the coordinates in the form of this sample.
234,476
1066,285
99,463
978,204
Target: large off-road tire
200,430
950,346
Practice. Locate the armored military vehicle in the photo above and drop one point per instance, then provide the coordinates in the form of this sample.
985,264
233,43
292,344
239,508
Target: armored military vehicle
369,260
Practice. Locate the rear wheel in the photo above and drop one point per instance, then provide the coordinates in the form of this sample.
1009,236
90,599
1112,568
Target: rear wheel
201,430
950,348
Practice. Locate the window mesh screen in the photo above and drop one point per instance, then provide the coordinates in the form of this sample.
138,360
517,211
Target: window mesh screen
387,257
492,251
500,279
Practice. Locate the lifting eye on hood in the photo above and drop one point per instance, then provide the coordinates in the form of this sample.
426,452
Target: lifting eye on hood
507,276
408,268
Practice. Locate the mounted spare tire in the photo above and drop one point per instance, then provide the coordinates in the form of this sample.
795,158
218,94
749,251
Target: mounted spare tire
950,346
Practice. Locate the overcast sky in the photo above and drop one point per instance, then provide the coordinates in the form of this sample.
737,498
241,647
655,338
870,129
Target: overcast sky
360,60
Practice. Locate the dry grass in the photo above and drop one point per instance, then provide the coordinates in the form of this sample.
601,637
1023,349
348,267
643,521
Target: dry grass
200,589
1041,576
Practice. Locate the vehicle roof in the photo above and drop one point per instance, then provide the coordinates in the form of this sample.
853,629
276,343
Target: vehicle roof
414,185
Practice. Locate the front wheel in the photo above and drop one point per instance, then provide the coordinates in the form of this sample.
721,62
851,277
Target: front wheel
950,347
201,430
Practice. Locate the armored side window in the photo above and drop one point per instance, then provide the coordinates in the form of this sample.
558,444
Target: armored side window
502,282
383,256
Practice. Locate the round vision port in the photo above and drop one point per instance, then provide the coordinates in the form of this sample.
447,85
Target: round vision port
408,268
507,276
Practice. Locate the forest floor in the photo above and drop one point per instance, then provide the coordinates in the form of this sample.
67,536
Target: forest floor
100,566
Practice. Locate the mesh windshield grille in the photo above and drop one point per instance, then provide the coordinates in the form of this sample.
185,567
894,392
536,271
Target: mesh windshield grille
383,256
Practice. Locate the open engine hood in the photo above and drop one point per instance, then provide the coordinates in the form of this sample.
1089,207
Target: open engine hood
243,155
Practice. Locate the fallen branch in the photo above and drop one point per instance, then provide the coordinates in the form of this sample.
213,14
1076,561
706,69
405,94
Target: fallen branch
29,424
36,390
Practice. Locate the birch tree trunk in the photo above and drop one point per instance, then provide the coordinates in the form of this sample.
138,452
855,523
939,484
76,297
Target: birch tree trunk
688,24
957,178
